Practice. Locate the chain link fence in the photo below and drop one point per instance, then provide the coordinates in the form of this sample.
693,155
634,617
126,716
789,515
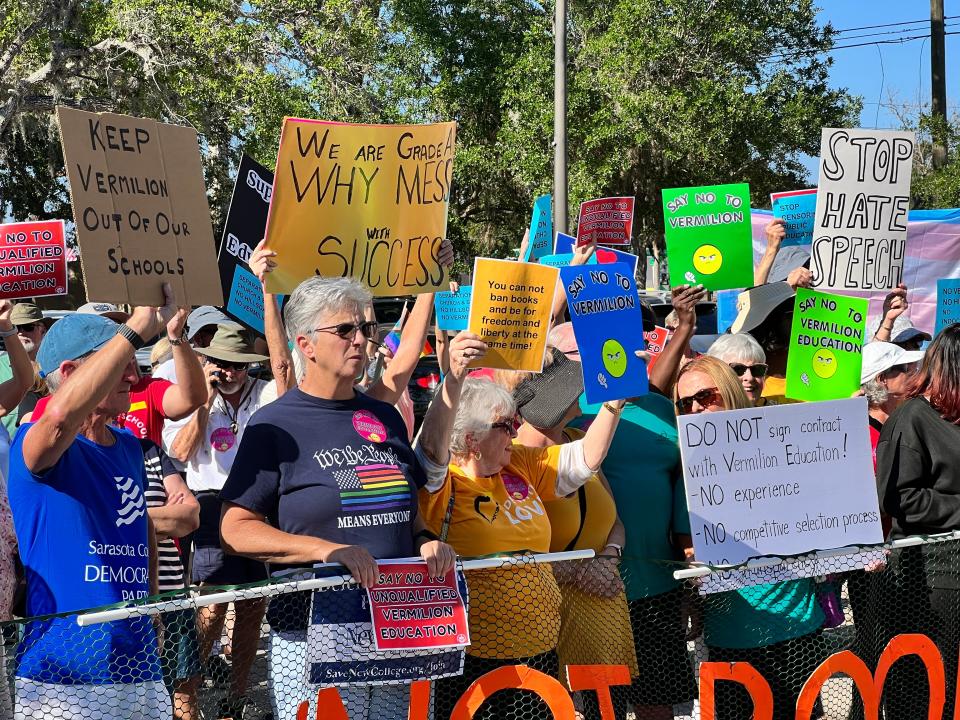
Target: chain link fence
168,659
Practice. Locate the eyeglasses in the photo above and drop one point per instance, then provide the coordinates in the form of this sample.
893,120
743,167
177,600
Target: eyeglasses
758,370
27,327
508,426
902,368
347,331
704,398
228,365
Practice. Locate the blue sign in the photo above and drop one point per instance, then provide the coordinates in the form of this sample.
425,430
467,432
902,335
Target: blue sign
565,243
453,309
798,210
245,301
609,255
948,303
563,260
726,308
541,229
608,324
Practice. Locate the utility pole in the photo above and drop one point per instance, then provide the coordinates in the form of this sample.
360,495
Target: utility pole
938,83
560,117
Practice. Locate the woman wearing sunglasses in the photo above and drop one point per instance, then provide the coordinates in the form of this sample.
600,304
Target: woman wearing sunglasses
325,474
490,500
747,360
775,627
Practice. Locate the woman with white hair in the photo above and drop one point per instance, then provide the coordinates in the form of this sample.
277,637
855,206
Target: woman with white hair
747,360
485,495
325,474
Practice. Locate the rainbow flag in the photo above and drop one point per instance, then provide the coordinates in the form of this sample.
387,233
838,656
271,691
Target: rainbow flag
372,488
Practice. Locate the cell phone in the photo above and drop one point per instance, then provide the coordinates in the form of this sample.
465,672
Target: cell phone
217,378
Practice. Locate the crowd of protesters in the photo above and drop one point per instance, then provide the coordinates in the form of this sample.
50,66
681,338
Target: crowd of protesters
237,459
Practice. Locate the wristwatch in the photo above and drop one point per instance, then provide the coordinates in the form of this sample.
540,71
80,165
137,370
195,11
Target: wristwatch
179,340
132,335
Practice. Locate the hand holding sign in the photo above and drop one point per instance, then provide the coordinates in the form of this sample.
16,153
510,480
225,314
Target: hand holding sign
262,262
465,348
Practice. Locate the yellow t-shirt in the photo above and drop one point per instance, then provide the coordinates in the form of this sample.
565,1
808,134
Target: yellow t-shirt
514,611
774,393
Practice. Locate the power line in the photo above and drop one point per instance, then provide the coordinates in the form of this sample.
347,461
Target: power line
894,24
798,53
890,32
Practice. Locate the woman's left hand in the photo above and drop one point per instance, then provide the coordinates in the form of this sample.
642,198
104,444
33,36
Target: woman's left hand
439,556
445,256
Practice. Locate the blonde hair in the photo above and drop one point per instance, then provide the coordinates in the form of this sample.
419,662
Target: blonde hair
726,381
161,352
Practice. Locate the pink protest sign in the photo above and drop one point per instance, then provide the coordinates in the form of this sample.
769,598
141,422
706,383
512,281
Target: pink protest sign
607,220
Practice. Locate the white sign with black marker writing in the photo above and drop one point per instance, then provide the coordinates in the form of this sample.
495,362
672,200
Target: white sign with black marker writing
781,480
860,231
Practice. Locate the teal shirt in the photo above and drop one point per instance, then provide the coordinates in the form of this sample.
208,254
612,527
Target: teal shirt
644,473
762,615
10,419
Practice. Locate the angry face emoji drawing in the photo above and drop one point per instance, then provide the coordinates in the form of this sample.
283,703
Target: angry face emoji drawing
824,363
707,259
614,358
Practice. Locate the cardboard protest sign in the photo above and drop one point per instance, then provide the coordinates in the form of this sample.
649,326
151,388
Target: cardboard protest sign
413,611
608,324
246,223
453,309
362,201
564,243
33,259
779,480
656,341
860,231
140,206
708,236
341,648
826,346
727,308
609,221
510,311
797,209
605,256
948,303
541,229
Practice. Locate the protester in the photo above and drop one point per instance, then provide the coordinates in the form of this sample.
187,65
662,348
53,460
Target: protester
766,313
594,619
202,325
175,513
918,479
747,360
207,442
886,373
284,499
109,670
490,500
775,627
894,326
31,326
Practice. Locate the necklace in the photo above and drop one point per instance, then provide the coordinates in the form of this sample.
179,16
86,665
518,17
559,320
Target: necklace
232,414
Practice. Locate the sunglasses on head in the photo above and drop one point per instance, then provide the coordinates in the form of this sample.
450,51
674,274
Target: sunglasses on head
703,398
347,331
228,365
758,370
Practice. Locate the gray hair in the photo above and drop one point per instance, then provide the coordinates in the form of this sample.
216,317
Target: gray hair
480,401
740,347
318,297
54,380
875,393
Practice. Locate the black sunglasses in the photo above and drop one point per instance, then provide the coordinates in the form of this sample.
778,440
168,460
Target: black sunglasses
27,327
228,365
759,370
508,426
703,398
346,331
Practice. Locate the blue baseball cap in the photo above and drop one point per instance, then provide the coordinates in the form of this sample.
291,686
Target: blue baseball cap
74,336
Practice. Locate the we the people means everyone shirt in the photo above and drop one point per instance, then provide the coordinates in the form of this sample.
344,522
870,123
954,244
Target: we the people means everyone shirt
340,470
216,453
82,528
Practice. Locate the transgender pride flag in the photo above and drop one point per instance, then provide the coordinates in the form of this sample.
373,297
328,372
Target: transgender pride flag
933,252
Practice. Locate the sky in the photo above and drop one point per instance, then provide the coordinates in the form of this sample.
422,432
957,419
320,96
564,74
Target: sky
892,70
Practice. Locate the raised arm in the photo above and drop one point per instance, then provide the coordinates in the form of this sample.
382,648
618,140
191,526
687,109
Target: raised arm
434,438
281,359
664,372
581,255
13,390
894,305
775,231
86,387
393,381
190,390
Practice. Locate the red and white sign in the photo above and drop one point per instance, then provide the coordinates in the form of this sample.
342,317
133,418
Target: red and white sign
609,220
413,611
656,340
33,259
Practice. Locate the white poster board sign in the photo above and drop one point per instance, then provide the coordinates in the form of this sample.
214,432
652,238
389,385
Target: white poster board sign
860,230
781,480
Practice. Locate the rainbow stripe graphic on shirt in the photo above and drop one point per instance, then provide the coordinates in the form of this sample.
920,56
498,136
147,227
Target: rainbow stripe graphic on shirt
372,488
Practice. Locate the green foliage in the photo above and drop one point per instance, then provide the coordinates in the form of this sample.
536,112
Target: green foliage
662,93
934,188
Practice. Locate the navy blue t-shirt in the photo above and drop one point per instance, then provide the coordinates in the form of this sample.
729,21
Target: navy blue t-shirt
339,470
